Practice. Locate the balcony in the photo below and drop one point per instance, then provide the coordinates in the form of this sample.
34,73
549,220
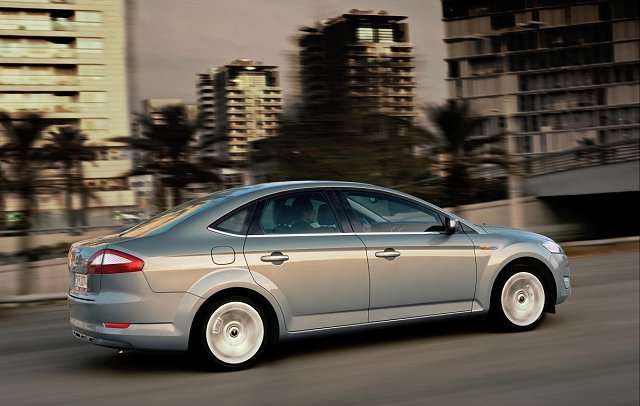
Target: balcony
39,80
51,109
9,24
36,52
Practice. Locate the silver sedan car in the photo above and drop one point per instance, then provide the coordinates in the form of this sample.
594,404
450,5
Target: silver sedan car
228,274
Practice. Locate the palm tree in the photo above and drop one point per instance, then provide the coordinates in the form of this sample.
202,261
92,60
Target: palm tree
464,151
372,148
167,145
67,146
21,153
5,187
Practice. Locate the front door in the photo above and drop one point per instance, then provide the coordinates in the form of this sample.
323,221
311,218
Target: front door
415,268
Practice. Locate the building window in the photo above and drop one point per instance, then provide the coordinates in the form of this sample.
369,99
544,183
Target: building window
88,16
524,144
543,142
365,34
454,69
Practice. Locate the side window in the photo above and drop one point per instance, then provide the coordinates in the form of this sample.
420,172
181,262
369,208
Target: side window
300,213
235,223
378,213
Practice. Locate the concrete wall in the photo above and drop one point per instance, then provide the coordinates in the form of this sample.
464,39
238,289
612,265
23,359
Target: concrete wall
50,276
537,216
11,244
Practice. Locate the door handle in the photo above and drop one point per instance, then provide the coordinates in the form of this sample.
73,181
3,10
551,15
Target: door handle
275,257
389,253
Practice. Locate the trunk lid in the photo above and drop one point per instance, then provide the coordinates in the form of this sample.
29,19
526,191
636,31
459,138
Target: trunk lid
81,283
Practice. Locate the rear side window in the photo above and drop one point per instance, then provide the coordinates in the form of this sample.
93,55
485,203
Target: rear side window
300,213
236,222
167,218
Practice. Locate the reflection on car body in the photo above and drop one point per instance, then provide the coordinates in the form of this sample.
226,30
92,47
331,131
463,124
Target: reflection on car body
230,273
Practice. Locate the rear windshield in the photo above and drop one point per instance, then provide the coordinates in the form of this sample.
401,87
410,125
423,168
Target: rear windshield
176,214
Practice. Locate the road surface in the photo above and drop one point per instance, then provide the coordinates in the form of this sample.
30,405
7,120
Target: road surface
586,354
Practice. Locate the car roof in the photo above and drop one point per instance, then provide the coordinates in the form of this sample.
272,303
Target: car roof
256,191
299,184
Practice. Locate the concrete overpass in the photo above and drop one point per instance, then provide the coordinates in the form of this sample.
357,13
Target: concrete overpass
589,170
597,187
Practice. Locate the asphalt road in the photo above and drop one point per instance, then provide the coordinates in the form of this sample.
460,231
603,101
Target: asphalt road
586,354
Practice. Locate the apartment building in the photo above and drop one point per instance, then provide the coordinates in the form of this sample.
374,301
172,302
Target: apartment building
239,103
65,59
554,73
360,61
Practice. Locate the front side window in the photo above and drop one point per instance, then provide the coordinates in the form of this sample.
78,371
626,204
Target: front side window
300,213
381,213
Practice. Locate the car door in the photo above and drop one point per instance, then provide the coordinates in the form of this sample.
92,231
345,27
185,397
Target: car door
416,269
317,273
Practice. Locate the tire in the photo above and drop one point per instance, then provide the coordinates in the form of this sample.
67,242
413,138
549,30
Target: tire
518,299
233,333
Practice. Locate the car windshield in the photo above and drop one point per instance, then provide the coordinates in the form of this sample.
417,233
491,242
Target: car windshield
176,214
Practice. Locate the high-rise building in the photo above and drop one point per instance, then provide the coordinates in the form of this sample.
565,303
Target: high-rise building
239,103
360,61
553,73
65,59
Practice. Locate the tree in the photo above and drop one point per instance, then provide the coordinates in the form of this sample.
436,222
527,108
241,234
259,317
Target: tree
371,148
5,187
167,145
67,146
20,152
22,155
465,153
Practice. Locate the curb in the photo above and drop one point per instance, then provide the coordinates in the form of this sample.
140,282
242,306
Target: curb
50,297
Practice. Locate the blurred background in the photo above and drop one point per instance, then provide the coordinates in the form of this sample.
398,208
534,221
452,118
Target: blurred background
520,113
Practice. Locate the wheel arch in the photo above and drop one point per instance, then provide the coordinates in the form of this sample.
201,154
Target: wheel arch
274,324
541,270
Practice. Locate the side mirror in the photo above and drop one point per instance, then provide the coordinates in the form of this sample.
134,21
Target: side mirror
450,225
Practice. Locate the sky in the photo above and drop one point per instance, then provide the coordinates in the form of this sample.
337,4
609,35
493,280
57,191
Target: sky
176,39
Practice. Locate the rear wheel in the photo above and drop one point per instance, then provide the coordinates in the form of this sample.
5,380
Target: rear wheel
233,333
519,299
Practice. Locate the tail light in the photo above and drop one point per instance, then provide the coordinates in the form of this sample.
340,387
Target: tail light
112,261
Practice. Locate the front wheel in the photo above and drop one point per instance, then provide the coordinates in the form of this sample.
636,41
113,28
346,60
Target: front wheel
233,333
519,301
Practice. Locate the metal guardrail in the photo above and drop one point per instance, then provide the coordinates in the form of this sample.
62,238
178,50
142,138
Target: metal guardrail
583,157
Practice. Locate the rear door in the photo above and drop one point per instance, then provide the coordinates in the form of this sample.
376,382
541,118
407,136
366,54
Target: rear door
319,275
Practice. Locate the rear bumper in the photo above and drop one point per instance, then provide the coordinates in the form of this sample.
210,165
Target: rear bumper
167,329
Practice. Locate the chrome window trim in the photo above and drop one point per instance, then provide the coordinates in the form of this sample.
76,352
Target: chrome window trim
335,234
298,235
403,233
225,233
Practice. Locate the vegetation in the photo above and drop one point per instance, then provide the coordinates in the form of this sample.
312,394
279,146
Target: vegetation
20,152
365,148
21,159
465,154
67,146
167,144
